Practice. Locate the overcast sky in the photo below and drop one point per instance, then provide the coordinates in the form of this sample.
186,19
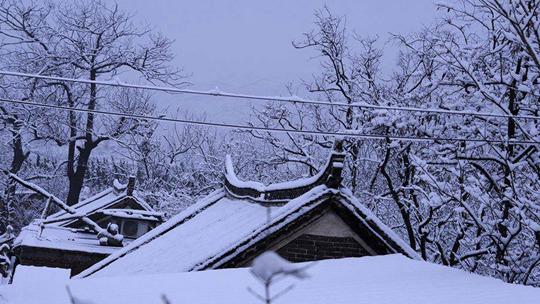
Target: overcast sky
245,45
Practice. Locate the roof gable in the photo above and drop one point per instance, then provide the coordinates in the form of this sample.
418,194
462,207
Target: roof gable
116,197
300,215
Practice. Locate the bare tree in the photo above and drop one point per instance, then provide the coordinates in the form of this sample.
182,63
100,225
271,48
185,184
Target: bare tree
347,76
481,58
88,39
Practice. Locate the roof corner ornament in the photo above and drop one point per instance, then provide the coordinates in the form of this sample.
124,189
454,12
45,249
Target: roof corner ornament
338,145
118,187
335,165
130,185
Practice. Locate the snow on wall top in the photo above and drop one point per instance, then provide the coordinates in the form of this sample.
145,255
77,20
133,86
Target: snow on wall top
386,279
216,230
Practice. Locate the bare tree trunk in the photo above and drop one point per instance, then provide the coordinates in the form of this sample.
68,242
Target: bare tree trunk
76,178
354,166
403,210
19,157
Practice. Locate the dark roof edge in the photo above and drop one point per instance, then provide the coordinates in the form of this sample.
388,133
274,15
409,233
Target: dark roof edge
385,233
329,176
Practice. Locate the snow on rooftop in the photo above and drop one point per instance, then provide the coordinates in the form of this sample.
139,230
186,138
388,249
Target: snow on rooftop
214,230
102,200
206,235
92,203
389,279
220,224
56,237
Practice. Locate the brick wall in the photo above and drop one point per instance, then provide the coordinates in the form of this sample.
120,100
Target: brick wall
309,247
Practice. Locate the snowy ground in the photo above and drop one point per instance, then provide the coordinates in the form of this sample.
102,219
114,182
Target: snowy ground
375,280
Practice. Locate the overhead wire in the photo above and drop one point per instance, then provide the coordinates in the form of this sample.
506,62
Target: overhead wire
270,129
218,93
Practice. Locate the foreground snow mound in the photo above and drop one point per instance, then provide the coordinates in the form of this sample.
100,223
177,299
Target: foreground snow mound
390,279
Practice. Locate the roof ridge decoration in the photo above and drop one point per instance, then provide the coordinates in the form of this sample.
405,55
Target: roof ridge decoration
330,176
118,187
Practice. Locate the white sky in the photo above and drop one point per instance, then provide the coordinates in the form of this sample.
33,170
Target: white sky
245,45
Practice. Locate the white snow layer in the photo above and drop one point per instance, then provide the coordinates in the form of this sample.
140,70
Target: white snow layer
62,238
214,230
209,233
35,276
387,279
217,227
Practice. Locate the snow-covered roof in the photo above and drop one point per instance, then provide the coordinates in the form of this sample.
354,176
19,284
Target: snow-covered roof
102,200
134,214
220,227
230,221
60,238
55,232
386,279
330,175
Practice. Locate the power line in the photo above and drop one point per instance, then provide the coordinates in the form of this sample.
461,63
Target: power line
217,93
270,129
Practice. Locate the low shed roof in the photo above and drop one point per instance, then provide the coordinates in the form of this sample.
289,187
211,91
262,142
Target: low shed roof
61,238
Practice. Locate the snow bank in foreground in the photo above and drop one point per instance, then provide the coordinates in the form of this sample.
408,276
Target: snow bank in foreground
376,280
34,276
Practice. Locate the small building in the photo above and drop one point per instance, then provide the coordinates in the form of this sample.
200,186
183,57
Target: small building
304,220
64,240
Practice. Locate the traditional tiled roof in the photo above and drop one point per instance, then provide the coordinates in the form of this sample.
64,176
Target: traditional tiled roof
103,200
61,238
285,191
55,232
234,220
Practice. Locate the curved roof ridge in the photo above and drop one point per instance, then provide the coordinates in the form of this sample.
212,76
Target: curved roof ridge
329,175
